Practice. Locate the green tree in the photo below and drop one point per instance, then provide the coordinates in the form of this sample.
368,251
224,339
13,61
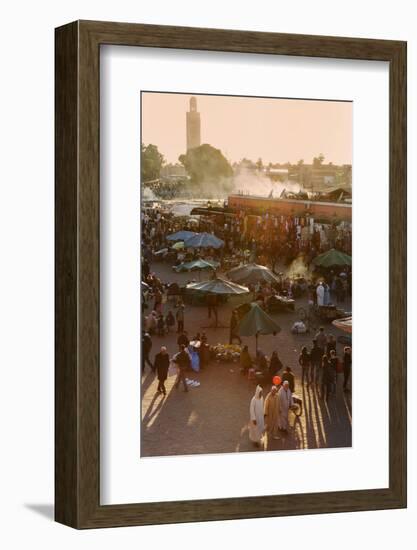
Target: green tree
259,164
206,164
318,161
151,162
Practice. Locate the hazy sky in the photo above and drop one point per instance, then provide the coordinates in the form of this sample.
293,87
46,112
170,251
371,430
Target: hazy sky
276,130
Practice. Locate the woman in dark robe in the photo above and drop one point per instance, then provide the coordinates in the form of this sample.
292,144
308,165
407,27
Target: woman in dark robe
161,365
275,364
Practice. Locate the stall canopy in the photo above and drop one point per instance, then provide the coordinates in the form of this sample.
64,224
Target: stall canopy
257,322
218,286
196,265
332,258
252,273
178,246
181,235
203,240
344,324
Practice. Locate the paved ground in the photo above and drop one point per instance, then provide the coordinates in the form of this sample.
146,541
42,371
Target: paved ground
213,417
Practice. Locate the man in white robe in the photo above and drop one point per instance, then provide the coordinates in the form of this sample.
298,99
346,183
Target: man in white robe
285,402
320,295
256,417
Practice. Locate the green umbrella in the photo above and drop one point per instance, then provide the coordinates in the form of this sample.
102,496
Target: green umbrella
219,287
332,258
256,322
178,246
252,273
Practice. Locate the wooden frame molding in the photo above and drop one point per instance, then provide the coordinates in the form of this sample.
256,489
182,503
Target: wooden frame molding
77,359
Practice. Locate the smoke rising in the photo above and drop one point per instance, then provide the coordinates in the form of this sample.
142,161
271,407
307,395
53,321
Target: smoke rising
298,267
249,182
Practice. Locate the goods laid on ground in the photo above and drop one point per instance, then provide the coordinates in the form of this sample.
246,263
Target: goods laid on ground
225,353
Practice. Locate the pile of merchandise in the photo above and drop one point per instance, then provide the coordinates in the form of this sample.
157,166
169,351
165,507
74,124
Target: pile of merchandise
225,353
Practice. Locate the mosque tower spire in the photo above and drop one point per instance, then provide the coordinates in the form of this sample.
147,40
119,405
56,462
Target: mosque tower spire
193,126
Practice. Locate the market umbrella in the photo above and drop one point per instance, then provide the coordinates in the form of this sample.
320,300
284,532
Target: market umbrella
197,265
252,273
218,286
181,235
332,258
178,246
344,324
204,240
257,322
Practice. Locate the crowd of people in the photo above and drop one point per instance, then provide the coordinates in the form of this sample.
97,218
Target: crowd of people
192,355
271,236
269,416
320,366
261,239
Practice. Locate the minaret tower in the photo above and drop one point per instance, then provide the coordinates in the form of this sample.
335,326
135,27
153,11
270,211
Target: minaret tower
193,125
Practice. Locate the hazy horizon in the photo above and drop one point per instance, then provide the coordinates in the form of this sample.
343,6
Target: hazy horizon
273,129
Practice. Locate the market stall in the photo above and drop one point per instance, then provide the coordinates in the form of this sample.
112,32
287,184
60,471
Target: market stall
252,274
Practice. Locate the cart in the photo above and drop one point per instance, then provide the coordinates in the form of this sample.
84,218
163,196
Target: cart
277,303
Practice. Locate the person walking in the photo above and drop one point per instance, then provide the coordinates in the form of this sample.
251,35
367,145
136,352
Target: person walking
212,307
157,301
183,339
275,364
334,361
180,318
288,376
321,339
234,324
245,360
183,362
285,403
271,415
320,294
256,417
315,357
304,361
327,378
161,363
326,297
146,350
331,344
347,366
169,320
204,352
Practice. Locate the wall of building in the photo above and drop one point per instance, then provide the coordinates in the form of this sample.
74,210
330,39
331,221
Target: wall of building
330,212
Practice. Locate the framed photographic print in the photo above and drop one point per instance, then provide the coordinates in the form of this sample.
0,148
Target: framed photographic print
227,202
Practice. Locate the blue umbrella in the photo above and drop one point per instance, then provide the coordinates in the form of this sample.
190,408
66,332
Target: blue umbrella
181,235
203,240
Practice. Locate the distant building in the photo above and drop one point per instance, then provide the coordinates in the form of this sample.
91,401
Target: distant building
317,178
173,170
193,126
